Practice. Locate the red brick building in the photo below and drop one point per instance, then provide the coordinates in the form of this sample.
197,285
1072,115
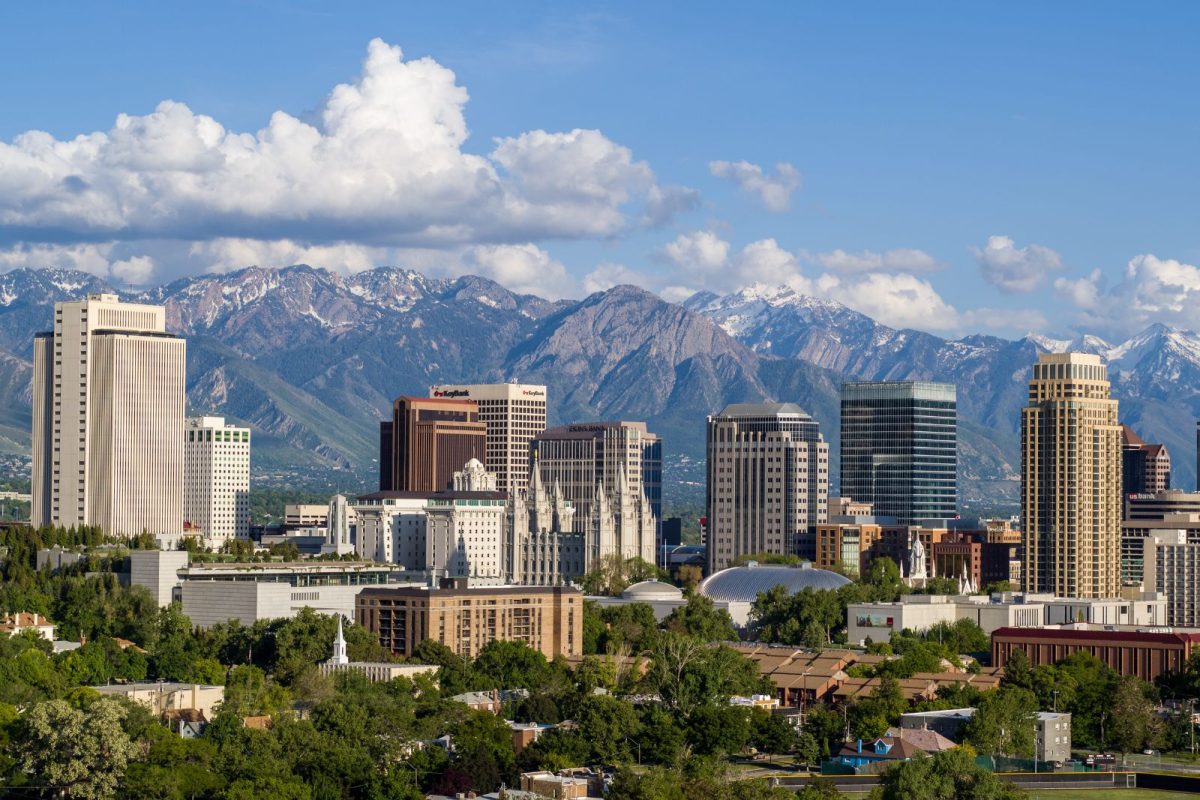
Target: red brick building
1143,654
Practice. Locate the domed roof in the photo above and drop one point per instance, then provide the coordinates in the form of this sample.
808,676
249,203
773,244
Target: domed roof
744,584
650,591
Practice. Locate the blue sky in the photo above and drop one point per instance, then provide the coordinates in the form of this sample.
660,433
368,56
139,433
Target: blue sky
961,167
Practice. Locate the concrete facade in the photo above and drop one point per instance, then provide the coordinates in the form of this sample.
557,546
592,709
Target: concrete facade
514,413
465,619
157,571
768,481
216,479
108,419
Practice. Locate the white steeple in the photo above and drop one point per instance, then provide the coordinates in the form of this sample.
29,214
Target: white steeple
339,646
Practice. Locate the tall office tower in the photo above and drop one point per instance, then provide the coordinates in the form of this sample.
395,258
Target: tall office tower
426,440
216,479
108,398
899,446
1145,468
514,413
611,473
1071,478
768,481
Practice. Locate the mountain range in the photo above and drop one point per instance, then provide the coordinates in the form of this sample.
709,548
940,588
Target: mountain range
312,359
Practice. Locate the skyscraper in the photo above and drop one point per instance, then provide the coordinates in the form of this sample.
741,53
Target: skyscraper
768,481
108,399
216,479
1071,478
1145,468
611,473
899,448
514,413
426,441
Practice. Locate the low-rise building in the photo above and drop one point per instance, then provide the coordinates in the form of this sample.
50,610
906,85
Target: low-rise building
1053,740
157,571
373,671
948,722
21,621
917,612
466,619
213,593
557,787
1145,653
164,697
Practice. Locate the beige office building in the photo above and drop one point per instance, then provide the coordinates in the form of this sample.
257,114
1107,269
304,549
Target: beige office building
514,413
768,482
1071,479
216,479
108,400
466,619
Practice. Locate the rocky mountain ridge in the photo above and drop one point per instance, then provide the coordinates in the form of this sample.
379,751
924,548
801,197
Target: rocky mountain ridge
311,359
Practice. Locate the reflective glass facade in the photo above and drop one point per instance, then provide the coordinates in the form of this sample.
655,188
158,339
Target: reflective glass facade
899,446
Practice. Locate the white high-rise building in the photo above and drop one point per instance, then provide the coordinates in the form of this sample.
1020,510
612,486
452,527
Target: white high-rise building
216,479
108,401
514,413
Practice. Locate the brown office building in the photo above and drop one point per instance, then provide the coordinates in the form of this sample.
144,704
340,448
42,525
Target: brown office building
426,440
547,618
1130,652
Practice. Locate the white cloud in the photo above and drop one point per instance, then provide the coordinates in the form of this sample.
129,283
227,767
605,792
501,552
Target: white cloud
1016,269
1164,287
607,275
697,252
382,165
766,262
133,271
228,254
899,260
522,268
900,301
92,258
1082,292
773,191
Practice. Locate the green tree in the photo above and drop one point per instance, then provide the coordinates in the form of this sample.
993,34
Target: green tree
948,775
79,753
1004,723
510,665
719,729
771,733
607,723
701,619
1134,725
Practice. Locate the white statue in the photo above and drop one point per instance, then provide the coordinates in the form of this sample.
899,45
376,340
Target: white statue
916,557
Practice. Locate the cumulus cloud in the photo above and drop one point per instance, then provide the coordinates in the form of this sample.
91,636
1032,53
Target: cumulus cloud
101,260
765,262
1016,269
523,268
900,260
1082,292
607,275
697,251
228,254
382,164
1152,290
774,191
899,301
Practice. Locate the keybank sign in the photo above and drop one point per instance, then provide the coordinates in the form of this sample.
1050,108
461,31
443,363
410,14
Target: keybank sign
451,393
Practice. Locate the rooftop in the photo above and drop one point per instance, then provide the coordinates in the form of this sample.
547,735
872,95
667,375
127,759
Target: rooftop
744,584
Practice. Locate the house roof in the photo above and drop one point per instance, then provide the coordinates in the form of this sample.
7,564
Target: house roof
900,750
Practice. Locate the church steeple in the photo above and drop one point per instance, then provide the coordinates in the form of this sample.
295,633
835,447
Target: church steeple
339,646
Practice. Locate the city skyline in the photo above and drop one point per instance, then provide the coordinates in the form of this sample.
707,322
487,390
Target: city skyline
730,188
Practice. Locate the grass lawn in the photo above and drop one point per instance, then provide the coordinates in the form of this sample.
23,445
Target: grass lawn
1106,794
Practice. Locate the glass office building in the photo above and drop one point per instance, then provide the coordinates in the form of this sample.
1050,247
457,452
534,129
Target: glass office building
899,447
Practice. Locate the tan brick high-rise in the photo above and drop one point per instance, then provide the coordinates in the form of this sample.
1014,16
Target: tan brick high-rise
108,401
1071,478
